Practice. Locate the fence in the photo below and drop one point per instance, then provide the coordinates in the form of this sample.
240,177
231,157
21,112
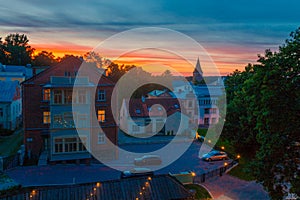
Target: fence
9,162
201,178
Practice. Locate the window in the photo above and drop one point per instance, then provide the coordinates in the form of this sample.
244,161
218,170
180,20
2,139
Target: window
213,120
58,147
138,111
70,144
101,95
214,110
68,120
206,121
81,144
67,73
101,115
101,138
135,128
206,110
46,94
68,96
57,121
82,96
82,120
46,117
1,112
190,104
57,96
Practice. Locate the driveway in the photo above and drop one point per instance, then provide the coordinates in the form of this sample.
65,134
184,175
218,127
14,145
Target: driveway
230,188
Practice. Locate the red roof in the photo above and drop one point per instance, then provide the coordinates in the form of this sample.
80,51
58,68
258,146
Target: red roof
140,108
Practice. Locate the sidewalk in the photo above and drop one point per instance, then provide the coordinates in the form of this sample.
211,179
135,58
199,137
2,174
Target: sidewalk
231,188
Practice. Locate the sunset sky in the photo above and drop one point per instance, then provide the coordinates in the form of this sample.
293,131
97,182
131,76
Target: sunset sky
232,32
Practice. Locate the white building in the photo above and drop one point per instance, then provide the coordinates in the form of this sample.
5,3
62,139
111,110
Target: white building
160,116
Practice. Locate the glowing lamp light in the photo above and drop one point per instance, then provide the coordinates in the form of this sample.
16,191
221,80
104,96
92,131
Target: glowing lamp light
222,147
225,164
193,174
238,156
98,184
149,178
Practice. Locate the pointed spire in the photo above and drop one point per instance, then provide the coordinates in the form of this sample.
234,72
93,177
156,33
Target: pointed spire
198,66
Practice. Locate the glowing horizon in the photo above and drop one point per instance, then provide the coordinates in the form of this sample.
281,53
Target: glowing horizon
225,67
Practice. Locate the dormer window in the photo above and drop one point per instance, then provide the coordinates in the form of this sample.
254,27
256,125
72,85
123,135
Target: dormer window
138,111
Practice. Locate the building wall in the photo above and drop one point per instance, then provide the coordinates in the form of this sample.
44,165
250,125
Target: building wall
35,131
10,116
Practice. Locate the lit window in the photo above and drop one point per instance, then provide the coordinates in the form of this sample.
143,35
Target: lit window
46,94
101,138
46,117
101,115
101,95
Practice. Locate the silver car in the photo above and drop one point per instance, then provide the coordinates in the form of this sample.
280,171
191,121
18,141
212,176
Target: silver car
148,160
215,155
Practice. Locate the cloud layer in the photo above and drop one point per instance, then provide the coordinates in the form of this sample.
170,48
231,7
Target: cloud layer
232,31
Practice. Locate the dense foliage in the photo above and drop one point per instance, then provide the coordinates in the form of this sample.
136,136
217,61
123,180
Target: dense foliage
263,116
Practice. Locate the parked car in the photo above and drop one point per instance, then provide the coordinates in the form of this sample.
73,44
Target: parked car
137,172
215,155
148,160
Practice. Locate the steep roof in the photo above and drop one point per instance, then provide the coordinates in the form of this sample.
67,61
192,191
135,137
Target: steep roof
198,67
16,69
7,90
140,108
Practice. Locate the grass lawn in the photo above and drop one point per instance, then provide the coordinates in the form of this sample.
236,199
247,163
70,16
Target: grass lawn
9,145
240,171
201,193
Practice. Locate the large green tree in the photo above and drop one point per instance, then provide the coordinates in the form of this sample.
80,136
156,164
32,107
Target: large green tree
263,115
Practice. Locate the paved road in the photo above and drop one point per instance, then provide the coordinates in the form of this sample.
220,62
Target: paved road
231,188
68,174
